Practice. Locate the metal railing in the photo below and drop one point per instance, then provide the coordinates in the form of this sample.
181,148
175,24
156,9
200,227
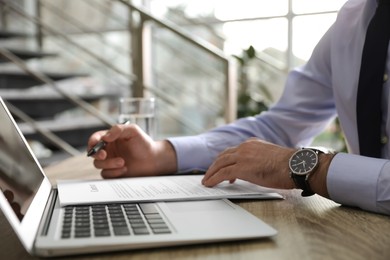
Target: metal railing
139,76
139,30
73,98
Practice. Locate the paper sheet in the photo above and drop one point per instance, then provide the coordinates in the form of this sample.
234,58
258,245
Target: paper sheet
161,188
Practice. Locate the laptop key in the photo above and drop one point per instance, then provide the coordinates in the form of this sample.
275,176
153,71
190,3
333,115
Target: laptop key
141,231
82,234
134,217
101,226
156,221
119,224
136,221
100,221
161,231
148,208
121,231
158,226
65,235
81,225
153,216
102,232
138,225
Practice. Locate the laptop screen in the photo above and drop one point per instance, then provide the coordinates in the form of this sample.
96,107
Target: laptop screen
20,176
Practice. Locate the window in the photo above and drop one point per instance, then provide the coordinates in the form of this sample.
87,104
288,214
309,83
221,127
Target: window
288,30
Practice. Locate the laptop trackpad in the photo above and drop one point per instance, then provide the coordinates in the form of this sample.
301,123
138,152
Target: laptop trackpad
199,206
217,219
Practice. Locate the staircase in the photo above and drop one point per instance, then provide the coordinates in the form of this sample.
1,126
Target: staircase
49,109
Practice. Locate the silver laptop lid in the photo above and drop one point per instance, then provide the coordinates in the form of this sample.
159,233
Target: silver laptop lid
24,187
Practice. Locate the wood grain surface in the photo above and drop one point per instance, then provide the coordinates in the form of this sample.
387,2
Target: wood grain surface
308,228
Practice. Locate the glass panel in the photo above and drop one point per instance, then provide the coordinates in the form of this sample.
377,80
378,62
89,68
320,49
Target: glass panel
269,35
307,31
189,8
66,16
226,10
309,6
192,79
223,10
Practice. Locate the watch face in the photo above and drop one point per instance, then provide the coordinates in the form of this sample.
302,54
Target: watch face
303,161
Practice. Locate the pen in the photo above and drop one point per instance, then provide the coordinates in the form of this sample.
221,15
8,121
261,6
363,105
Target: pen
100,145
97,147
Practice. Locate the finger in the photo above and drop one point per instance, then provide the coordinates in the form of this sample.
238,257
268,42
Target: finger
121,131
111,163
95,138
225,174
113,173
222,161
100,155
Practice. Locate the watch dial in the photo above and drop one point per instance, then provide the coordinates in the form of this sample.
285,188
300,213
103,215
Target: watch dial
303,161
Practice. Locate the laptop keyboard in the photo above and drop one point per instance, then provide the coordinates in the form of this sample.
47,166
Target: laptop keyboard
112,220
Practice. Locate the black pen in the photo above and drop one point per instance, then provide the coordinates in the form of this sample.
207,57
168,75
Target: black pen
97,147
100,145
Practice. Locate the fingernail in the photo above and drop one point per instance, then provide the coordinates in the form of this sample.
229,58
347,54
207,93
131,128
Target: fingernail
119,162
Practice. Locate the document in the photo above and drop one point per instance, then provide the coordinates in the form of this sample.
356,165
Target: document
161,188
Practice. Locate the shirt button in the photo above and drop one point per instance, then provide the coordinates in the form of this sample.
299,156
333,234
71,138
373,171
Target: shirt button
384,139
385,77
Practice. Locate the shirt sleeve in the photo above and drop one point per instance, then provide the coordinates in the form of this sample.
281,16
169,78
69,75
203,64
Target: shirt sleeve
192,153
360,181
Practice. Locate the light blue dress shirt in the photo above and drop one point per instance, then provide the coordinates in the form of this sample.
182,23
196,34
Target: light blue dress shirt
314,94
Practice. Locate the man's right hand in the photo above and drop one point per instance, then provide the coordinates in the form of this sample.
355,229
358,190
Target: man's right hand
131,152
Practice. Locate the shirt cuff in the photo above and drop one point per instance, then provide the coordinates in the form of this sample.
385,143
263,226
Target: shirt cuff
191,153
352,180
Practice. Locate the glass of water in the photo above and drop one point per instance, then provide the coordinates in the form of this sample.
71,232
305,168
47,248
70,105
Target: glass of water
139,111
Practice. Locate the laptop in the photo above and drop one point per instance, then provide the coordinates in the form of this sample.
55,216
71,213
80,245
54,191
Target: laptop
45,228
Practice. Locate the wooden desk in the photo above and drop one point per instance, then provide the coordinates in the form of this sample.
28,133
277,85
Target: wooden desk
309,228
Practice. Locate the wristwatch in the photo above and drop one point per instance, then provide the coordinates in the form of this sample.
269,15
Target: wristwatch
302,163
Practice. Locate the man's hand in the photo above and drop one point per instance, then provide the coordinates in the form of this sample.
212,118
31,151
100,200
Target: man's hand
255,161
131,152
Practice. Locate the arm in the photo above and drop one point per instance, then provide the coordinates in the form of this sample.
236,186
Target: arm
351,180
348,179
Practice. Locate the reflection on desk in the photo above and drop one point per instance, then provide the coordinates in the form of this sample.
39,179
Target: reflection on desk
308,228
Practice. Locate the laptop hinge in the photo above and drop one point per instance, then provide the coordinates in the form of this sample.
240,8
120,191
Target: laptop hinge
45,224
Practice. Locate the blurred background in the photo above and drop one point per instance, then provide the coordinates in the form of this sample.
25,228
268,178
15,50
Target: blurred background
65,63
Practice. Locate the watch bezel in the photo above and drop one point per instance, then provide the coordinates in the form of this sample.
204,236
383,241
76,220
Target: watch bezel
308,171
